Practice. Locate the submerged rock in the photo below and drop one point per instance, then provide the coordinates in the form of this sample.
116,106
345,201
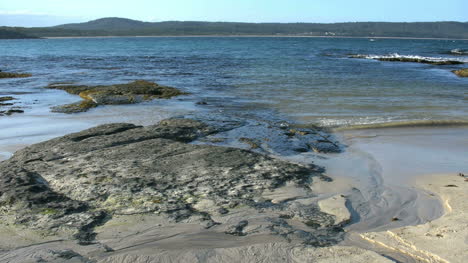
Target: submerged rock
130,93
461,72
11,111
73,183
421,60
7,75
7,98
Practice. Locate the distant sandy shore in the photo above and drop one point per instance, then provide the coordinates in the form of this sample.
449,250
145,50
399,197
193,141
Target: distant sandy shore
247,36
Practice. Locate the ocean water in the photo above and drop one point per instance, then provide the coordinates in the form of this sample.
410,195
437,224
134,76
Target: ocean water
308,80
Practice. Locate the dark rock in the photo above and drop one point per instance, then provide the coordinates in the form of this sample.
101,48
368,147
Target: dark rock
420,60
12,111
130,93
301,150
7,98
223,211
7,75
80,180
237,230
461,72
27,199
410,59
81,106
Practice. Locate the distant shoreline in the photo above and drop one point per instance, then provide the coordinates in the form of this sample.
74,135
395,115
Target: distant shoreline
265,36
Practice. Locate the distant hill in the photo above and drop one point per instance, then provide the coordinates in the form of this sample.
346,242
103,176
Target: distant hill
8,34
126,27
110,23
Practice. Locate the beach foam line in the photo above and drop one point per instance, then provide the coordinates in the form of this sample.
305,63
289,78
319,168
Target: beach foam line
405,124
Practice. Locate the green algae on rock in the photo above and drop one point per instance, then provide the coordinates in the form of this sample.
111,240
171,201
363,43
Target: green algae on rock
461,72
130,93
7,98
8,75
80,106
69,185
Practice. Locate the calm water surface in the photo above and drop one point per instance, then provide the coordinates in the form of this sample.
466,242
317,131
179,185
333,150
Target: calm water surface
310,80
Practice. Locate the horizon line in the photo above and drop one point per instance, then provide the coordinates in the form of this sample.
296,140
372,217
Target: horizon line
240,22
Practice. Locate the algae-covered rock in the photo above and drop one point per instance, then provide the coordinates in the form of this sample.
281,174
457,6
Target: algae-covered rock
7,75
7,98
77,181
130,93
461,72
77,107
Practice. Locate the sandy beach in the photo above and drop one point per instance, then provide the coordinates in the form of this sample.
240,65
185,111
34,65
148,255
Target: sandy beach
439,241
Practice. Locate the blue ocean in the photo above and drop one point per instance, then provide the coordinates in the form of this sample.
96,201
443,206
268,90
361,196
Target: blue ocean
306,80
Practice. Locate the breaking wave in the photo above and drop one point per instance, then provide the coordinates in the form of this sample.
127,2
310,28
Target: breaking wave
410,58
458,51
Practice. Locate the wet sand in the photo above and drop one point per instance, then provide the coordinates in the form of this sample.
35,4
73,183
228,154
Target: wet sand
441,240
415,172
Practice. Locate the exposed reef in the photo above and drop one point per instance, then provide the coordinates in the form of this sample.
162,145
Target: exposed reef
7,75
10,111
130,93
461,72
69,185
7,98
6,101
412,59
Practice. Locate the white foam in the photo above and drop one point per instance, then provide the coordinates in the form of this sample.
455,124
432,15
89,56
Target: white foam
397,56
458,51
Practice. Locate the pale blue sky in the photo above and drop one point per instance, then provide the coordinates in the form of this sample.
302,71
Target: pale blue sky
53,12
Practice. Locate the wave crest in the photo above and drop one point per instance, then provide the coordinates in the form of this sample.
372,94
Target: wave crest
458,51
412,58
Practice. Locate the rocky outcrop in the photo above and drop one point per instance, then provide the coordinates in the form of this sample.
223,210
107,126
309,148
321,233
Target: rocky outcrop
411,59
461,72
6,98
7,75
133,92
10,111
76,182
5,101
421,60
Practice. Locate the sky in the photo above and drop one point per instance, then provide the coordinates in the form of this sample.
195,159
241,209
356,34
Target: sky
33,13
